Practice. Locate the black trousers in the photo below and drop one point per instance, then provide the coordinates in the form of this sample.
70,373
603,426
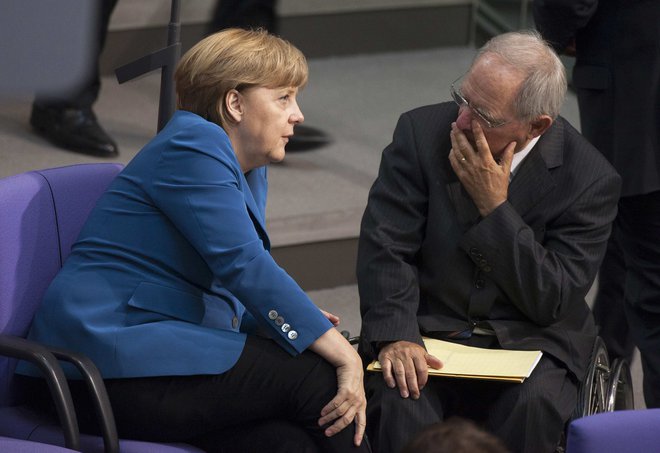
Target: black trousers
268,402
529,417
608,308
635,271
86,92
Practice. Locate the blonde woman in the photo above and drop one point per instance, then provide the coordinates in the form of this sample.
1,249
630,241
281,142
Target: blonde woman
171,288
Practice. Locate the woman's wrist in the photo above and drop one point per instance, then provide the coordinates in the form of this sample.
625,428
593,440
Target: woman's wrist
334,348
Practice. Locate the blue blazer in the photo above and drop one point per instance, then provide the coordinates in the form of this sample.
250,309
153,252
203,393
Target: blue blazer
172,268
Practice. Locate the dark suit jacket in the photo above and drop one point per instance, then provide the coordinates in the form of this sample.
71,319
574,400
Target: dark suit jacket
617,78
173,267
428,264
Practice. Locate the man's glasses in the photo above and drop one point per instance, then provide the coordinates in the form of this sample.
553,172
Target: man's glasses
462,102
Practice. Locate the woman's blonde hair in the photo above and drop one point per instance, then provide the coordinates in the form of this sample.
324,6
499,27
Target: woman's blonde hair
235,59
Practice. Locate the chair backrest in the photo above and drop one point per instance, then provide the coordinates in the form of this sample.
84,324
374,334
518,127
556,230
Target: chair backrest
41,214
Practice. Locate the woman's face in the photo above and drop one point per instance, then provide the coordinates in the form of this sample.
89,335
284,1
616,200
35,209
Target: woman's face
267,118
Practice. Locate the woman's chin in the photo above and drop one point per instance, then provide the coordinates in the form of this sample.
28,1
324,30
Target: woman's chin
277,156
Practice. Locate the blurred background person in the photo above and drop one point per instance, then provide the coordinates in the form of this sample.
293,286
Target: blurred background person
67,120
455,435
616,44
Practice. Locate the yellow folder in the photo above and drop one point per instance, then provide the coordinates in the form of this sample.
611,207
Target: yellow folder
478,363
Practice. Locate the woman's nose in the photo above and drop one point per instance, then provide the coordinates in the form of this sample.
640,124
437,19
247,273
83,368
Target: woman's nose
296,116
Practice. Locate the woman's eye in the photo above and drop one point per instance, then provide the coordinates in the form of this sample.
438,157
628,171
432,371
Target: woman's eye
285,98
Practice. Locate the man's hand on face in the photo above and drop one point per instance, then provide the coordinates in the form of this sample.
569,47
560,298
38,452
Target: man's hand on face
405,365
486,180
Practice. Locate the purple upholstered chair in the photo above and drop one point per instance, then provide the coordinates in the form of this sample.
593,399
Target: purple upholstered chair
616,432
9,445
41,214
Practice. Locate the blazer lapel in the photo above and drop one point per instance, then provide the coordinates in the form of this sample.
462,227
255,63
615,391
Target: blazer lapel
255,188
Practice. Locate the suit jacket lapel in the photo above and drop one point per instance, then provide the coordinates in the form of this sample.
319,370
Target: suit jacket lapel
467,213
533,180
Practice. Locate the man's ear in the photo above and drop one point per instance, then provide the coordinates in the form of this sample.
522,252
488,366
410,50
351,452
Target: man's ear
234,103
539,126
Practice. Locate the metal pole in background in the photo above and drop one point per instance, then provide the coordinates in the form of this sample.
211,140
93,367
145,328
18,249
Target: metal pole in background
166,104
164,59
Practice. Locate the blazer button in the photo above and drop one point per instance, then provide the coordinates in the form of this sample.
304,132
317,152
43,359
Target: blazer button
479,283
234,322
272,315
487,268
286,327
292,335
279,321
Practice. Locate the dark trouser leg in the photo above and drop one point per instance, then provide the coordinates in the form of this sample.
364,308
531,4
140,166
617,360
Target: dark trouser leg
67,119
86,93
269,401
391,420
608,307
638,225
530,417
265,384
277,436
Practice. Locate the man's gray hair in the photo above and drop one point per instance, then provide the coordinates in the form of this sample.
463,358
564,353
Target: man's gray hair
543,90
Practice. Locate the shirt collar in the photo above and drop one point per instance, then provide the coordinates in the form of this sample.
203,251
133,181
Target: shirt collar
520,155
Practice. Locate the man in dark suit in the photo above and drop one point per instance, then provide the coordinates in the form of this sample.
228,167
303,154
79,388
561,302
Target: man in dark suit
486,226
617,78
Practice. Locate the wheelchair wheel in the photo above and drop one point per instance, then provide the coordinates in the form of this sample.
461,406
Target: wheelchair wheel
352,340
620,391
592,395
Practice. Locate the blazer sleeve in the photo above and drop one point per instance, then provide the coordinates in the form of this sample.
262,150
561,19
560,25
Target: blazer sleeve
390,238
559,20
198,185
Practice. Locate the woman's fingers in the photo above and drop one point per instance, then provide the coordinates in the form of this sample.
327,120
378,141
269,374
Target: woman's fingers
360,426
343,410
338,419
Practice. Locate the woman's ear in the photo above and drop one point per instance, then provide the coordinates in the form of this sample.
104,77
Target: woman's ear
234,103
539,126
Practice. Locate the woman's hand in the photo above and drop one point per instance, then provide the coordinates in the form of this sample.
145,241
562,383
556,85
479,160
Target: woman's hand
350,403
334,319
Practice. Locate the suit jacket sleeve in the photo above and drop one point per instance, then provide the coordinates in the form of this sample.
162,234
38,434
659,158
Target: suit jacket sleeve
198,184
559,20
543,279
390,238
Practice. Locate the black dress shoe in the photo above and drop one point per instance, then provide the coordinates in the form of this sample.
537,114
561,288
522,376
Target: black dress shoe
73,129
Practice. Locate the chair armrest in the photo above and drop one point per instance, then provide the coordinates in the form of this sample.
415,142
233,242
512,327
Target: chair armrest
42,358
96,387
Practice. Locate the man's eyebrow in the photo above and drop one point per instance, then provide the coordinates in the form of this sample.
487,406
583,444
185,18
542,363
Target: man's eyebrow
485,112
